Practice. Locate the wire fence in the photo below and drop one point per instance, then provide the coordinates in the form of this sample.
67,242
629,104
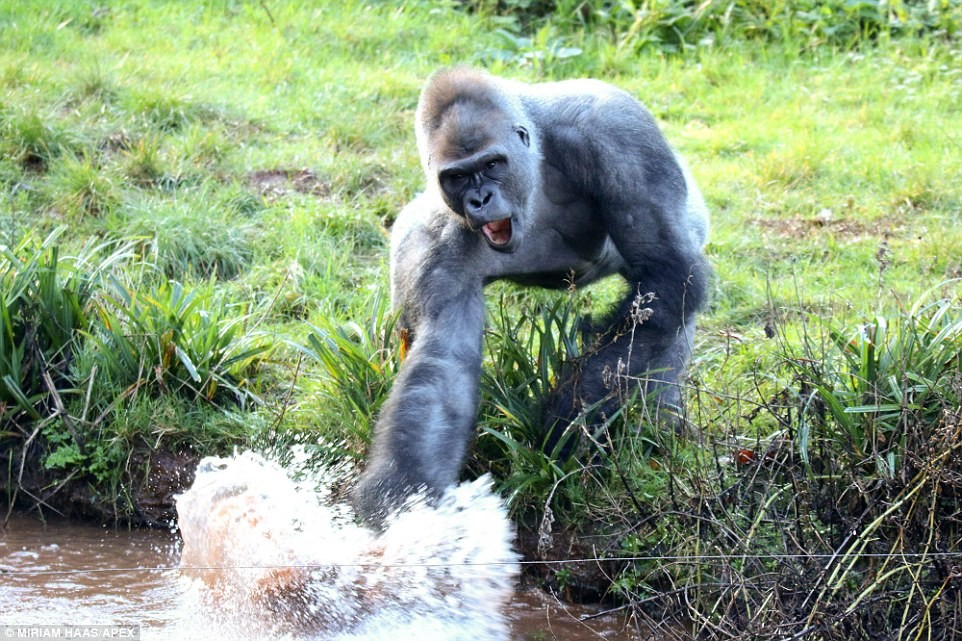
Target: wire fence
703,558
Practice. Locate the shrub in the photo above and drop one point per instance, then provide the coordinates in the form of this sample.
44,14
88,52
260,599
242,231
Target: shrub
674,25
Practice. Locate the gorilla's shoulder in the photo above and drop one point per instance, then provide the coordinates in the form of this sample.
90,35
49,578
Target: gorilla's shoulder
577,87
582,102
421,215
424,219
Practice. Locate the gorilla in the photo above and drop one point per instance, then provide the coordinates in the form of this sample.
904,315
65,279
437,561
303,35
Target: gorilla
547,185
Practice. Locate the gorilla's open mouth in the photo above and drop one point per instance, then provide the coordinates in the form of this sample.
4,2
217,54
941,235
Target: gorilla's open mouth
498,232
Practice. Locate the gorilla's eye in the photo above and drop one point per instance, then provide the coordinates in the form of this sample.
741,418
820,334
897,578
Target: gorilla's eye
523,135
492,164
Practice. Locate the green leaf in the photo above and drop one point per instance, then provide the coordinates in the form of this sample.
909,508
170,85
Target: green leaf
185,359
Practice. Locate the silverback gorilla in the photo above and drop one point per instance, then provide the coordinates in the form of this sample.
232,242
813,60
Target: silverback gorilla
545,185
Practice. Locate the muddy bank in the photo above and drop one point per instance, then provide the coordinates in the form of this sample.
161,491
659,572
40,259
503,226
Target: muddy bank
570,567
145,498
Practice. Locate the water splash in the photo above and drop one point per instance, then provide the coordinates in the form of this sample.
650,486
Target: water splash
266,556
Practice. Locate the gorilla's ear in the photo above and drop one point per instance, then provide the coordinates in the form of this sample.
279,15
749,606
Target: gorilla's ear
523,135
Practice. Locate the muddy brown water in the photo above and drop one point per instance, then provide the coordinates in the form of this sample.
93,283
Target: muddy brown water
58,573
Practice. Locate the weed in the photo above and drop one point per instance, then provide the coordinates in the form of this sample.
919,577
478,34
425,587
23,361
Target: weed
546,50
359,365
33,140
171,339
162,111
144,162
891,380
191,236
44,304
525,353
78,187
95,84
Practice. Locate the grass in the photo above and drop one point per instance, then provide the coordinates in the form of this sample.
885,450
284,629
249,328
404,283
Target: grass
194,205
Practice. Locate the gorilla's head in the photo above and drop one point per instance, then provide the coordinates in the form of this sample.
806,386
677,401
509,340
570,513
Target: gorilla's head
480,152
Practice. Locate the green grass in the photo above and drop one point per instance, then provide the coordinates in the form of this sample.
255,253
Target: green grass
216,182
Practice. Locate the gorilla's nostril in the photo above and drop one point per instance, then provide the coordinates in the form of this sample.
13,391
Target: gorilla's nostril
478,203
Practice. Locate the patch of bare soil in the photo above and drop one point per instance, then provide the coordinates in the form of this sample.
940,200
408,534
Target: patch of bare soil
277,183
825,223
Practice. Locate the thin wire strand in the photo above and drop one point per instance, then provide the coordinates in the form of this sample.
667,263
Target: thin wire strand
319,566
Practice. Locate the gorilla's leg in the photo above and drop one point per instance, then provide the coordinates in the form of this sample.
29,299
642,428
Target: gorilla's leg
644,352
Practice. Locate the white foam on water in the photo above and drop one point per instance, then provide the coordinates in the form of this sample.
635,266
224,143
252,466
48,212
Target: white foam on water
264,555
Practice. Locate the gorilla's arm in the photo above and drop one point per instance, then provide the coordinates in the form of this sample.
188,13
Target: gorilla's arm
428,421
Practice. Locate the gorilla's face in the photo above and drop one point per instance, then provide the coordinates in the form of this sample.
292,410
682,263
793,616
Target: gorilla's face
487,172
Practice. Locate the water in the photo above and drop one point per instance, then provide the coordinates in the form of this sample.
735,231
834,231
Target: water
263,557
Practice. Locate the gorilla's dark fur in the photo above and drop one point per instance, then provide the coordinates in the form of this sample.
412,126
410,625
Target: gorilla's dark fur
538,184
